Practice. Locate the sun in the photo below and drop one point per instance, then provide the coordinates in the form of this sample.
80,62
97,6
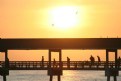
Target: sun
64,17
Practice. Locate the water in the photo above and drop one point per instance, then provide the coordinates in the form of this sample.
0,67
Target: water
41,75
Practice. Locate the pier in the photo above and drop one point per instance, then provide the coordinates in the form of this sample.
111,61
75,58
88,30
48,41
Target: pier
74,65
57,45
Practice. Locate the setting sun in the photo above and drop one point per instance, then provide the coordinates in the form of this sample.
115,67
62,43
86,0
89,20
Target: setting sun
64,17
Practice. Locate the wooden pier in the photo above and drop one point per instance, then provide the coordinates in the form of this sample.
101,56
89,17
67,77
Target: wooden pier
73,65
57,45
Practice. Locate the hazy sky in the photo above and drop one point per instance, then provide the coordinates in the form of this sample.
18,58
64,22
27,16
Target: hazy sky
32,19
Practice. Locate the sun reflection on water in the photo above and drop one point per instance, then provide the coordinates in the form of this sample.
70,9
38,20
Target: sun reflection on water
68,75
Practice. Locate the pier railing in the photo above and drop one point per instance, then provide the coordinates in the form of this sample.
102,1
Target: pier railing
72,65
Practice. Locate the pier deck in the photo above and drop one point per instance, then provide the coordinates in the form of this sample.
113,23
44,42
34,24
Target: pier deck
74,65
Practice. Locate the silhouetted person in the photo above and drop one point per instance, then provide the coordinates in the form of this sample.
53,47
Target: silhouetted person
42,61
118,61
54,63
92,59
98,60
7,63
119,58
68,62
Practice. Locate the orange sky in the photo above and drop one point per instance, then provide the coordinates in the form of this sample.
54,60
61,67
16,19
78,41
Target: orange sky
32,19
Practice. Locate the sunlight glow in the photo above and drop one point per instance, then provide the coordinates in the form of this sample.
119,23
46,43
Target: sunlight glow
64,17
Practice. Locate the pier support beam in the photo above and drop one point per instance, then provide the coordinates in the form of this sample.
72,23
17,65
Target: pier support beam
4,71
6,66
115,78
108,78
55,71
111,71
59,78
51,77
4,78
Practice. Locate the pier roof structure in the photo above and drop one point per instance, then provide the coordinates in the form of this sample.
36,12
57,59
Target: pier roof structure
59,43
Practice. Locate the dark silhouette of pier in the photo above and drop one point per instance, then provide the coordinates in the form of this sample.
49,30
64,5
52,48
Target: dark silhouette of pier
73,65
58,44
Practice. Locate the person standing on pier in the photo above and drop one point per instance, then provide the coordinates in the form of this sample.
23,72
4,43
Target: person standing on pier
42,61
54,63
92,59
118,62
68,62
98,60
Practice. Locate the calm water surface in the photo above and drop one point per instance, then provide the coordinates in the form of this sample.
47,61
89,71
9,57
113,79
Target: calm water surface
38,75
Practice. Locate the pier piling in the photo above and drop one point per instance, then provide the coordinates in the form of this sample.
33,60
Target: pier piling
4,77
55,71
111,71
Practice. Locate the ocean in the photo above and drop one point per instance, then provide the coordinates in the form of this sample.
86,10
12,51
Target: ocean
68,75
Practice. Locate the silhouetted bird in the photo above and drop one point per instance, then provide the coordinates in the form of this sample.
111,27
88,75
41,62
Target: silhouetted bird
52,24
76,12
